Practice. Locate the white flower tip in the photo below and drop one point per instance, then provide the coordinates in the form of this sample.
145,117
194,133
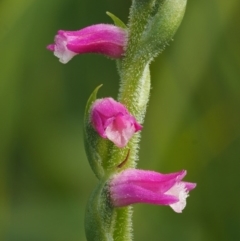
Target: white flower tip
61,51
180,191
64,56
115,137
120,137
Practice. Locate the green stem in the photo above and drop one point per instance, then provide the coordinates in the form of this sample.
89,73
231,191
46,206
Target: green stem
134,94
123,227
151,26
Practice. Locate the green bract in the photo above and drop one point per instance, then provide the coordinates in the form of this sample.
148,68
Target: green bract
102,154
99,217
117,21
102,219
96,147
152,26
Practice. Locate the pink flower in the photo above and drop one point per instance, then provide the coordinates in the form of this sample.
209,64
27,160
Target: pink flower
103,39
140,186
112,120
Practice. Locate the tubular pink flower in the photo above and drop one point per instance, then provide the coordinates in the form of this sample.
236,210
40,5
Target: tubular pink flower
140,186
103,39
112,120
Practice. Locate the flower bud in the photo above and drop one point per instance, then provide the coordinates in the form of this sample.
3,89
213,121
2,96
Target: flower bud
112,120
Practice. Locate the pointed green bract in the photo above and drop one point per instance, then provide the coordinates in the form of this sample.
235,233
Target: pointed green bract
96,147
118,22
90,101
99,216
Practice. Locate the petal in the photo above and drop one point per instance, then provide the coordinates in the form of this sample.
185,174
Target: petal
120,131
60,49
98,123
101,38
149,179
51,47
112,120
137,126
128,194
108,107
180,191
189,185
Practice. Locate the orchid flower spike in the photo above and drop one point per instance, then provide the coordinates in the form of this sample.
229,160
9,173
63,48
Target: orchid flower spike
103,39
140,186
112,120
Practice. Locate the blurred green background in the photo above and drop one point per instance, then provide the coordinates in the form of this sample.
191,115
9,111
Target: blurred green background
193,122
